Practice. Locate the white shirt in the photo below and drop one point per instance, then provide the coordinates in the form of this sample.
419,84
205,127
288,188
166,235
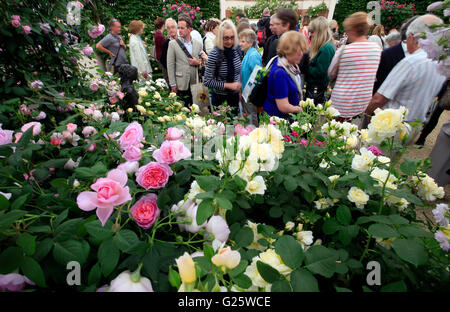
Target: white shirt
414,82
377,40
195,35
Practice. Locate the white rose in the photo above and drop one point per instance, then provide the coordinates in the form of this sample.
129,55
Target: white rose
333,178
364,161
289,225
271,258
305,238
358,196
97,114
385,124
227,258
115,116
256,186
130,282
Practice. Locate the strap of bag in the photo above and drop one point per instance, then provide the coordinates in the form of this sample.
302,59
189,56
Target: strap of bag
117,54
183,48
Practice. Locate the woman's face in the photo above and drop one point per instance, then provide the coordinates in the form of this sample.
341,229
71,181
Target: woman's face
140,31
228,38
244,44
295,57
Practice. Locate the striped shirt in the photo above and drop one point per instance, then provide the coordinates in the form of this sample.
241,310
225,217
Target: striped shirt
216,71
357,72
413,83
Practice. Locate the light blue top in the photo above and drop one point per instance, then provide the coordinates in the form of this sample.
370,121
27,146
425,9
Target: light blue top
251,59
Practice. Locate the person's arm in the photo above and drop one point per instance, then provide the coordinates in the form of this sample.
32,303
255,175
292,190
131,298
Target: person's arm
101,48
378,101
285,107
171,60
334,65
279,81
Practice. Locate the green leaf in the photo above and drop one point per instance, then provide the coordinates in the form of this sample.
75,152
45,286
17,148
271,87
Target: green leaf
411,251
10,259
204,211
290,251
224,203
70,250
343,215
43,247
268,273
27,242
409,166
108,256
281,286
62,216
347,233
174,278
19,202
84,173
342,289
240,268
414,231
98,232
242,280
67,229
244,237
321,260
183,177
95,274
208,183
11,217
241,183
382,231
208,250
4,203
290,183
303,281
398,286
331,226
33,271
125,240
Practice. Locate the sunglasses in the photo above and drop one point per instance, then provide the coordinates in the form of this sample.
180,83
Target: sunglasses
228,38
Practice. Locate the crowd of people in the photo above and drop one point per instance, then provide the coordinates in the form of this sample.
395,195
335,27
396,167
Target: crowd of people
363,70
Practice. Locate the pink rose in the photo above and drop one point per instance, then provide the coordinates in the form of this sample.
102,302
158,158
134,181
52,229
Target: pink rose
93,86
5,136
18,135
36,127
45,27
111,136
375,150
132,154
92,147
174,134
113,99
109,192
27,29
153,175
145,211
71,127
241,130
41,116
133,135
198,9
88,50
96,31
16,17
13,282
129,167
89,131
37,84
179,9
120,94
15,23
303,142
171,152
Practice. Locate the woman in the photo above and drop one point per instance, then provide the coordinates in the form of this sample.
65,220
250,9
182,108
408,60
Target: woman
334,27
211,27
321,53
171,26
159,37
378,36
356,65
305,29
284,82
223,68
248,42
138,52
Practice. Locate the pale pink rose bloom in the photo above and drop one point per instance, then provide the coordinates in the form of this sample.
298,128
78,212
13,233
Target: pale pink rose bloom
129,167
5,136
89,131
96,31
71,127
41,116
13,282
132,154
153,175
36,127
92,147
113,100
111,136
171,152
17,136
15,23
27,29
124,283
37,85
87,50
218,227
120,94
66,134
16,17
45,27
241,130
88,111
189,207
174,134
132,135
109,192
145,211
93,86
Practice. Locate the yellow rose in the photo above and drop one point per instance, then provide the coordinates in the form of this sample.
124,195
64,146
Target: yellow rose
186,268
161,119
141,109
130,110
167,108
151,113
172,94
142,92
167,118
385,124
147,103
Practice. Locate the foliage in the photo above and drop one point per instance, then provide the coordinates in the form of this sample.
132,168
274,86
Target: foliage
315,11
255,11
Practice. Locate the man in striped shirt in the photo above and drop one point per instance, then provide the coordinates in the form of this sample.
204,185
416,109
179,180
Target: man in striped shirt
414,81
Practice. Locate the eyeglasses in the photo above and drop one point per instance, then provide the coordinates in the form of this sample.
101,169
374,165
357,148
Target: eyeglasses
228,38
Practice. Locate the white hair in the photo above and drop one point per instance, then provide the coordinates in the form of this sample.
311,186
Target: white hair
394,37
170,20
421,25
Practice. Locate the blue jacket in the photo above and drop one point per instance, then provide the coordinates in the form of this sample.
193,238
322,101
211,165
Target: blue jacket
251,59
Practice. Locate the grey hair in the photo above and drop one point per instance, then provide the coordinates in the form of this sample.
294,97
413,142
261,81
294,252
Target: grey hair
171,20
250,36
394,37
421,25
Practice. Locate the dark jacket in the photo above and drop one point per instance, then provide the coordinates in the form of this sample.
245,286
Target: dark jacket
265,22
270,49
318,66
164,49
389,58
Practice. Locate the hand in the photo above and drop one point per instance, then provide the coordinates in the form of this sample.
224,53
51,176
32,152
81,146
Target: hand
204,56
194,62
174,89
122,44
298,109
111,55
144,74
237,85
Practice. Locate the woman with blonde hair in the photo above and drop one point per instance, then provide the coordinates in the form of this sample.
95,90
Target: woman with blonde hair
284,83
378,36
138,52
321,53
355,65
223,67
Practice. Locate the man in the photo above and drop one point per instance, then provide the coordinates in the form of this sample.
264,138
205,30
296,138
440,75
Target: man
414,81
285,20
391,56
181,68
238,17
393,39
172,31
264,23
113,45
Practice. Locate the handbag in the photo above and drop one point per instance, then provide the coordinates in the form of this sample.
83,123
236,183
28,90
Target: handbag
316,93
112,67
200,97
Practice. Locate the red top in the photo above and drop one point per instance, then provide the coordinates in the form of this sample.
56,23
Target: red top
159,40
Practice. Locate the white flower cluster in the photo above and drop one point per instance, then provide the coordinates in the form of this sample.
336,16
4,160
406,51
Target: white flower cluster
427,189
343,131
366,160
208,128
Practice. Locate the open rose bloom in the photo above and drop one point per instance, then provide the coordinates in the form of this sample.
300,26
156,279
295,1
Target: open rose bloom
109,192
145,211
